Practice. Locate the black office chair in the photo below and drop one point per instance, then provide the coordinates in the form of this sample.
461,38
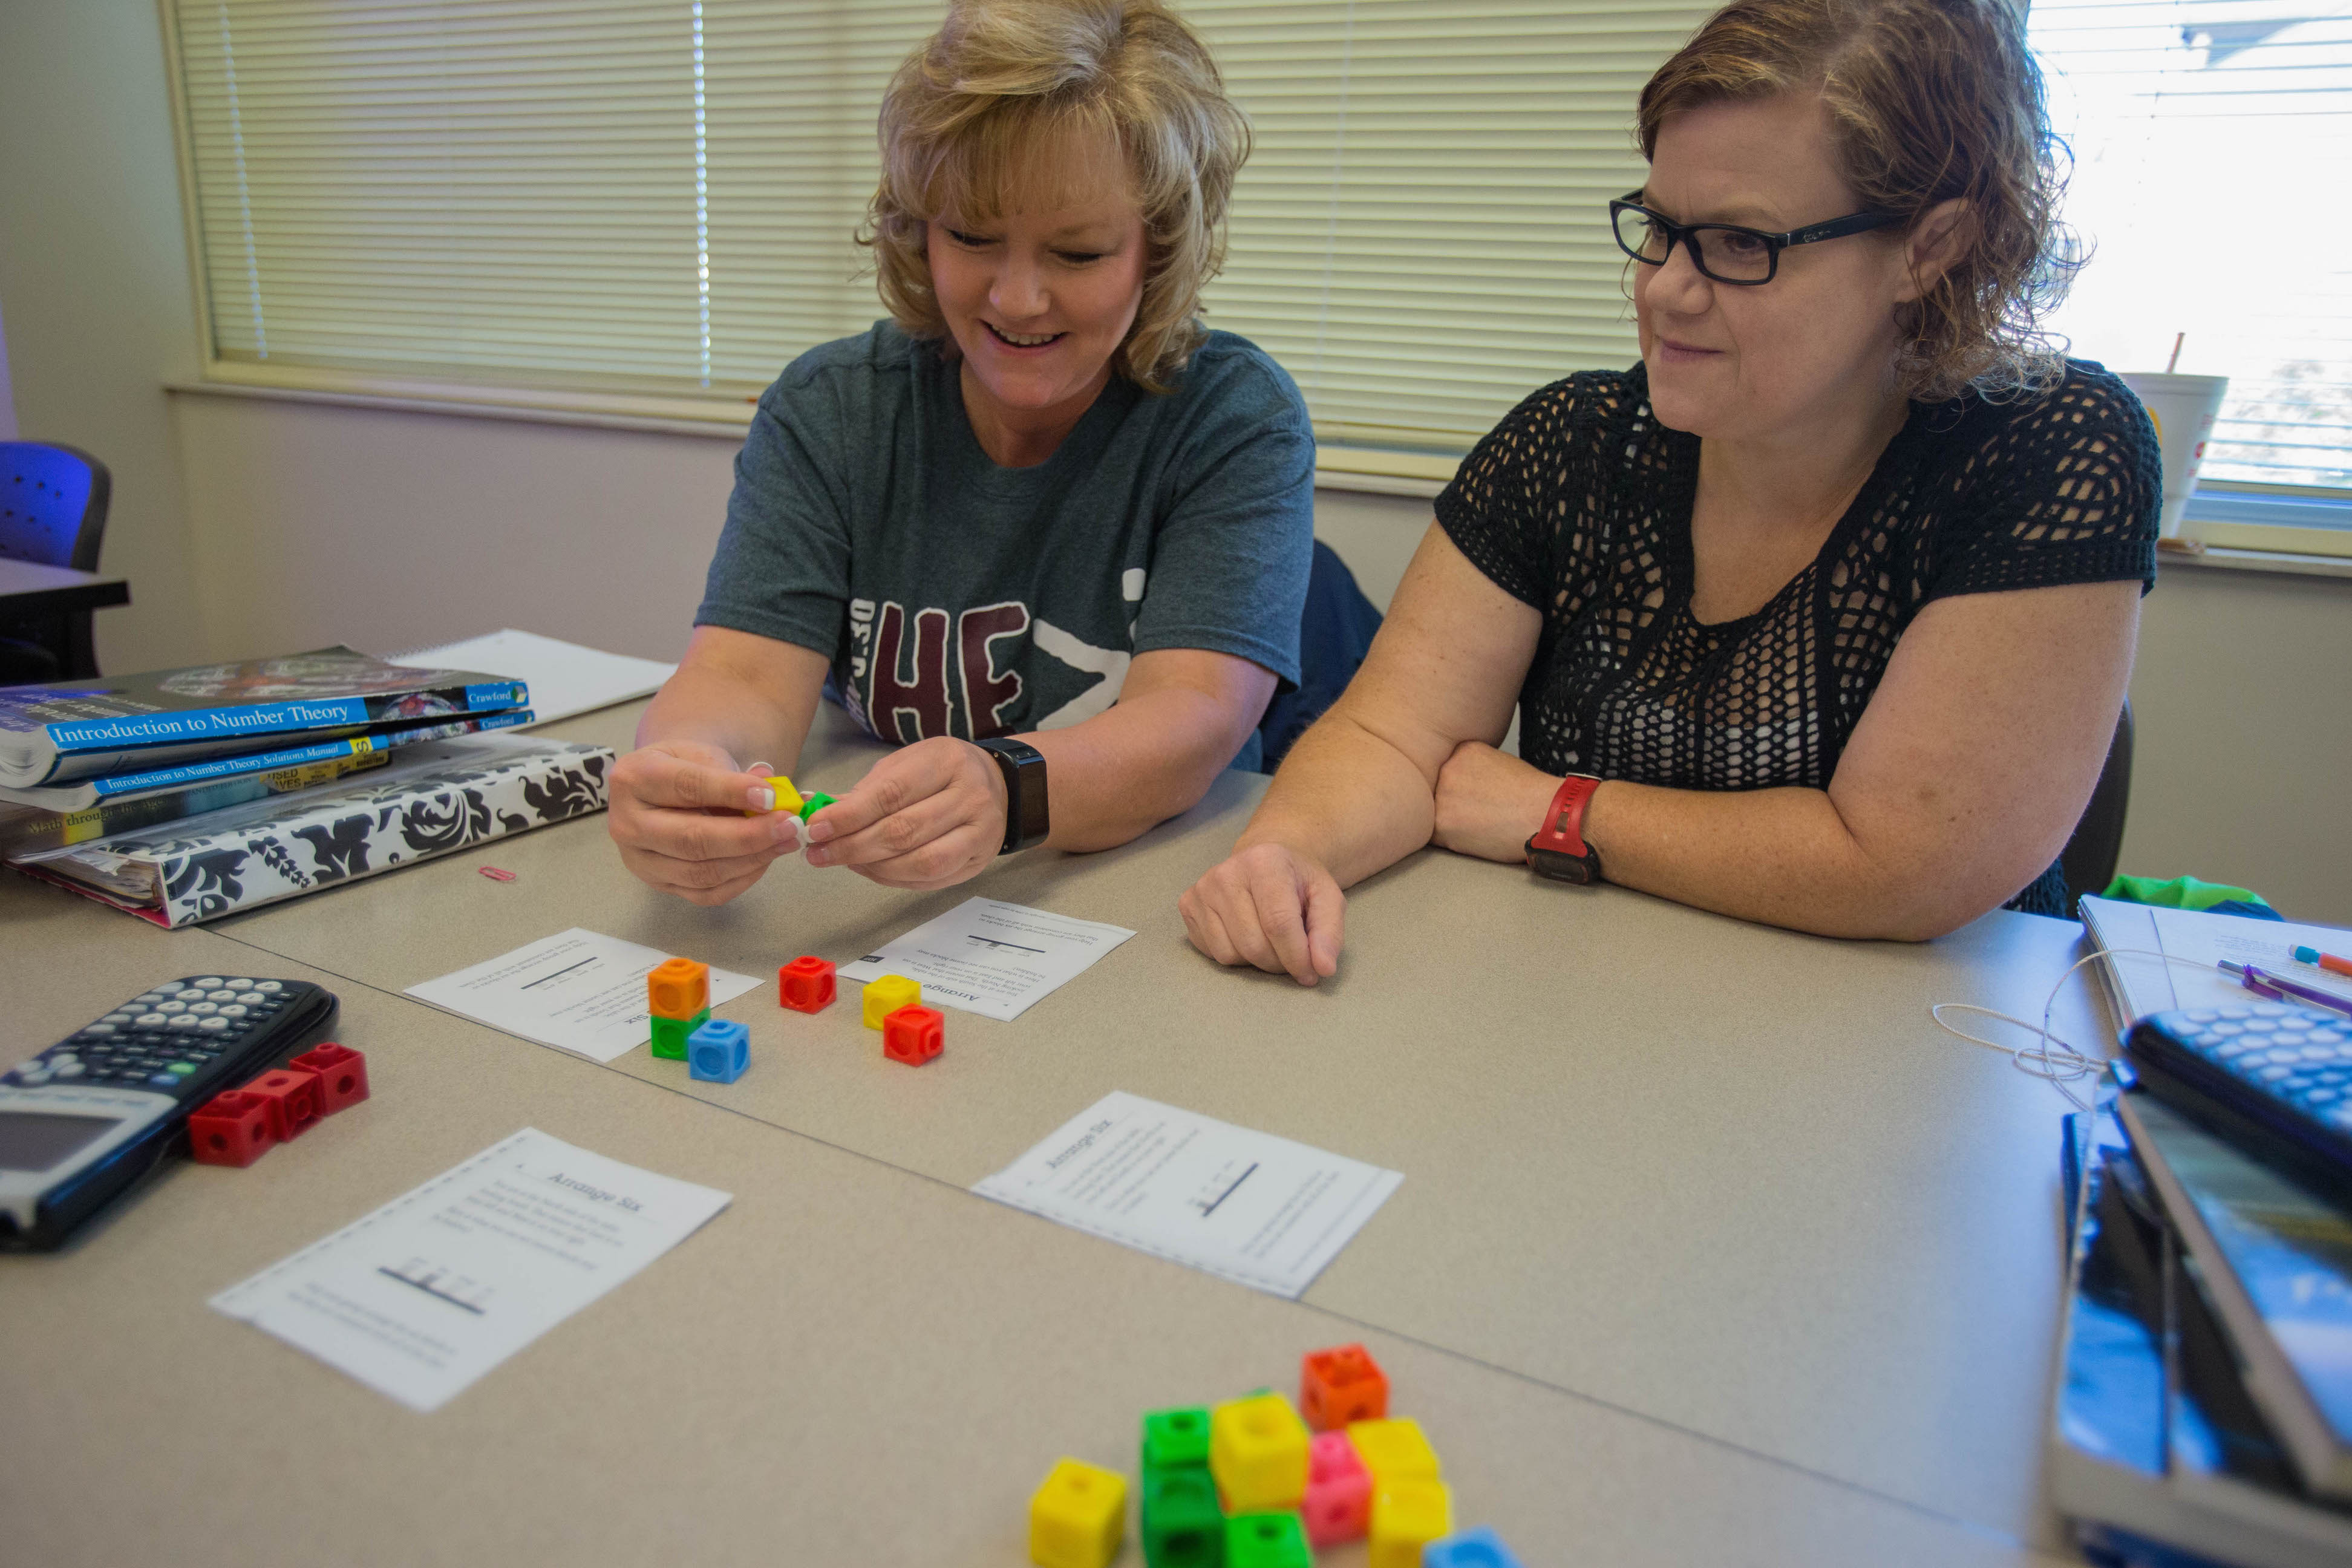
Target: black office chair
2090,856
52,502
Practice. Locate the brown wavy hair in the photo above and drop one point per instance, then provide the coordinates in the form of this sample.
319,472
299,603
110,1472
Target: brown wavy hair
1928,100
971,120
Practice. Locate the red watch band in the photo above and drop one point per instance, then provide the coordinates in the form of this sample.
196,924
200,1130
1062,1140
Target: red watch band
1558,849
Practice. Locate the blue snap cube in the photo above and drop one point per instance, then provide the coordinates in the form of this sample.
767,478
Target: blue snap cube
719,1051
1479,1548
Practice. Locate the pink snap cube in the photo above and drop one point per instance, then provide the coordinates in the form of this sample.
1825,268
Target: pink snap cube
1338,1503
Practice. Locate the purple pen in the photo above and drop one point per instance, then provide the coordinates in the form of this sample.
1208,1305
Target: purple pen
2261,982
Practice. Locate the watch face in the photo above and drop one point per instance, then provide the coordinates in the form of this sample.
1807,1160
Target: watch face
1563,867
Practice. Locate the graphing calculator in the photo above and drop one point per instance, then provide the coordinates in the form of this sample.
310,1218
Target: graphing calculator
85,1119
2276,1080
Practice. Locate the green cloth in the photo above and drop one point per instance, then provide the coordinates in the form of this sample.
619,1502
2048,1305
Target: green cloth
2181,893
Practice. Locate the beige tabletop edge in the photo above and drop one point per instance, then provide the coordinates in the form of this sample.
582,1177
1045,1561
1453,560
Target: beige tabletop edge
1710,1247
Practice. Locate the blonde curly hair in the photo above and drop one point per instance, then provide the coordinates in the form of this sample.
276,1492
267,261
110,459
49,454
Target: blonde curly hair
1928,100
970,119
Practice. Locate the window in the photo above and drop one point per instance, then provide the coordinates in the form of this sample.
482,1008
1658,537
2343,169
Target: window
2210,141
621,196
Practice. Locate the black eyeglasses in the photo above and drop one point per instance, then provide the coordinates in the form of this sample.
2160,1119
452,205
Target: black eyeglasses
1724,251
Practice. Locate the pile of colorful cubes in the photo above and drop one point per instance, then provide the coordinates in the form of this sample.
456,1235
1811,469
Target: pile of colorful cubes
1252,1483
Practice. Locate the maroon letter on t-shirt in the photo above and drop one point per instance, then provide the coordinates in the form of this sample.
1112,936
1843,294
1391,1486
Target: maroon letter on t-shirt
915,710
986,694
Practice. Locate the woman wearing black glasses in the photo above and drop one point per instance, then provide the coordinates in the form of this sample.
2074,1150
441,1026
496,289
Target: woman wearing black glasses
1821,614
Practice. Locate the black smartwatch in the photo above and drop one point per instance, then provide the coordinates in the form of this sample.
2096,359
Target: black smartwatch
1024,767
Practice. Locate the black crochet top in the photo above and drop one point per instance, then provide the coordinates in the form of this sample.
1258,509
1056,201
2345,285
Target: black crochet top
1579,504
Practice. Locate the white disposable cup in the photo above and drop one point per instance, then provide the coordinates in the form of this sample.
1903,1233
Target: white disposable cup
2183,407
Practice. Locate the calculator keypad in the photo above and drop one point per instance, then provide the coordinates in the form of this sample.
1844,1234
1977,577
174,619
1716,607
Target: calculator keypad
162,1039
2293,1055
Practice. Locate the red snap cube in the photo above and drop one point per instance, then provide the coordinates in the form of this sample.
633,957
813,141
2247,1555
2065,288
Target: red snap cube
913,1035
1341,1384
343,1075
1338,1503
291,1093
232,1127
805,985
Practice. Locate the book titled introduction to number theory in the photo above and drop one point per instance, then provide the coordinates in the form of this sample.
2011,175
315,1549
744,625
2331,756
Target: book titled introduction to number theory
74,730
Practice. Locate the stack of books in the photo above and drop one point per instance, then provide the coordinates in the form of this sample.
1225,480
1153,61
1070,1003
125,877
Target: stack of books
187,794
2202,1413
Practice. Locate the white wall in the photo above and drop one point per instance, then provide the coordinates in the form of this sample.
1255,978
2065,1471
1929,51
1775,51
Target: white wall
248,525
94,287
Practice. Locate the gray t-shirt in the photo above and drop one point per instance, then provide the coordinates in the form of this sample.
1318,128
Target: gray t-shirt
956,597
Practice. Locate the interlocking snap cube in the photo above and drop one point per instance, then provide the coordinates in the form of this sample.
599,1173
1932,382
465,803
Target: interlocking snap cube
805,985
1257,1451
1338,1491
678,988
1266,1540
913,1035
670,1034
787,798
719,1051
1079,1517
885,994
291,1095
1479,1548
1406,1518
1182,1525
343,1075
1176,1440
817,801
1394,1451
1341,1384
230,1129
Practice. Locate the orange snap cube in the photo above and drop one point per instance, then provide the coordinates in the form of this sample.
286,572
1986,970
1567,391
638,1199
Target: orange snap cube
1341,1384
678,988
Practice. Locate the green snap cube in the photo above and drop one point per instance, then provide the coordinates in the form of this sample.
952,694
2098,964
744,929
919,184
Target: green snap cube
1173,1439
1182,1525
1266,1540
669,1034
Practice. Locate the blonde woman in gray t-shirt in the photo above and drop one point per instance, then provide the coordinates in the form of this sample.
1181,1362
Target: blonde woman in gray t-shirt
1040,505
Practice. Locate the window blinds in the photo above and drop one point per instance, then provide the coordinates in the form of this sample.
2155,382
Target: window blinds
602,193
2210,139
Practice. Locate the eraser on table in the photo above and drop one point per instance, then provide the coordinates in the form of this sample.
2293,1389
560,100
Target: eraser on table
292,1095
913,1035
1258,1452
230,1129
670,1034
1338,1503
805,985
885,994
1341,1384
1183,1526
1479,1548
678,988
1406,1518
1394,1451
1270,1540
1176,1438
1079,1517
719,1051
343,1075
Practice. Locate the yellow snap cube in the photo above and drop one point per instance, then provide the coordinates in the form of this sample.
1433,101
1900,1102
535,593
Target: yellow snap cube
1258,1452
1407,1516
1079,1517
885,994
787,798
1394,1451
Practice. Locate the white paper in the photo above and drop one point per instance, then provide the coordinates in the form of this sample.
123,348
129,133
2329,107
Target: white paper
437,1287
577,990
564,677
992,958
1257,1209
2152,985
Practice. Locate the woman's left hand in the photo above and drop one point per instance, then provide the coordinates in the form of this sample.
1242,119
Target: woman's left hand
1489,802
928,815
